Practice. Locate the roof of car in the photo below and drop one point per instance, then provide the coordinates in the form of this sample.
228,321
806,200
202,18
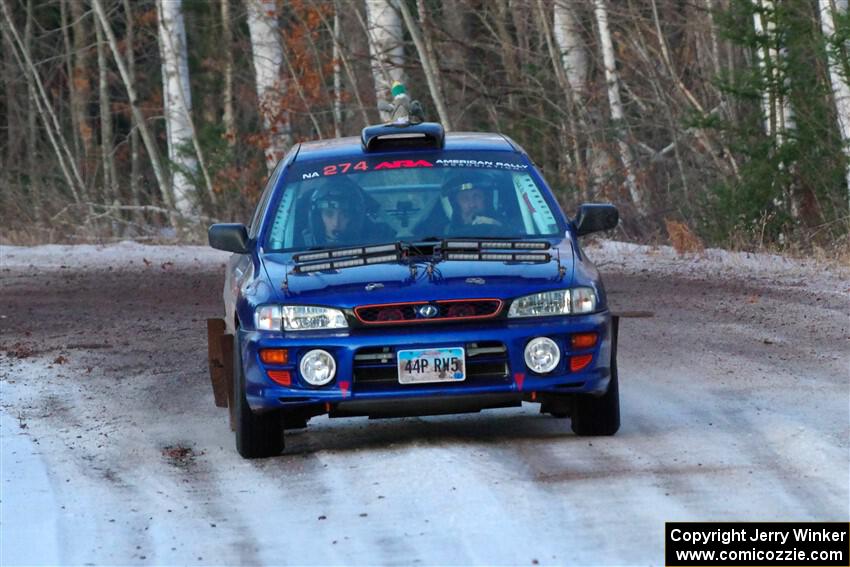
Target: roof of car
352,146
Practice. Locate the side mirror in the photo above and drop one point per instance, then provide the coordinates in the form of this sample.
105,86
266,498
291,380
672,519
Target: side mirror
593,217
230,237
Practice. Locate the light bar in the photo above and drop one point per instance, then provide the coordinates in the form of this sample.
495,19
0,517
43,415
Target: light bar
379,259
345,263
313,267
491,257
380,248
344,253
461,256
532,257
312,256
498,257
495,245
349,263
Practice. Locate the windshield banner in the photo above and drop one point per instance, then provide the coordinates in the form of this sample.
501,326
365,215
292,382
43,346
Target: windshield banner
301,171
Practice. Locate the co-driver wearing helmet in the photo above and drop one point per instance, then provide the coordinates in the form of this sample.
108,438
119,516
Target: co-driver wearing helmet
470,208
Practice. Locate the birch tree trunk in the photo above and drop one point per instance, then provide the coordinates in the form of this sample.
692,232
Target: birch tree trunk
386,49
337,73
227,39
177,103
573,166
612,82
267,54
837,78
574,56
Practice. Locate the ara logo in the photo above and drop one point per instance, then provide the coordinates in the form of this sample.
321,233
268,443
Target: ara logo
403,163
428,311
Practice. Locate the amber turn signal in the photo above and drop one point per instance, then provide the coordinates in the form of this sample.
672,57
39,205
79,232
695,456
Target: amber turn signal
584,340
274,355
282,377
579,362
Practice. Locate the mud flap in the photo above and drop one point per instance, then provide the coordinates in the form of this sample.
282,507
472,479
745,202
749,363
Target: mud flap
220,358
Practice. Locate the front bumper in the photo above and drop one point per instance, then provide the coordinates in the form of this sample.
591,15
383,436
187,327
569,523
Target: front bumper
353,382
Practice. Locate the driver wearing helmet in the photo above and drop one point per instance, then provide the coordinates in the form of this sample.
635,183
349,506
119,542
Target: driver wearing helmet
470,208
338,217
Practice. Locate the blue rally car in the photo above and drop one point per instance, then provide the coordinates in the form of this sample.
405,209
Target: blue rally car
410,272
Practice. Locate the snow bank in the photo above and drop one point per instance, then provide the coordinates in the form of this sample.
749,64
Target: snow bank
609,255
124,254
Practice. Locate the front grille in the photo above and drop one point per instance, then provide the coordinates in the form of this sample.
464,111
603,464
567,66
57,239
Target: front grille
375,368
444,310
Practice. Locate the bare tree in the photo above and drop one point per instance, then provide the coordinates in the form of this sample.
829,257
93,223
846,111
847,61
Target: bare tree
612,81
110,176
147,137
177,102
386,47
45,110
80,83
130,54
429,66
837,76
268,59
227,40
779,117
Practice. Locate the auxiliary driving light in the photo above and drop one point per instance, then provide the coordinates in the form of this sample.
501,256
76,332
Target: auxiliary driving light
318,367
542,355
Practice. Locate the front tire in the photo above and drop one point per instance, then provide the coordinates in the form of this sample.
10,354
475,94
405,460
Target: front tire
258,435
595,416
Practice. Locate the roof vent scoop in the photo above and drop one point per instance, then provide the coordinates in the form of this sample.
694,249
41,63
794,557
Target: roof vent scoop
403,135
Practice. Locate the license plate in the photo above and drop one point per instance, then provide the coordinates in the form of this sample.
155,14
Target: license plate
421,366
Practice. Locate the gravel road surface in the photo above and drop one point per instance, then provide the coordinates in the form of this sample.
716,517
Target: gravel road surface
735,405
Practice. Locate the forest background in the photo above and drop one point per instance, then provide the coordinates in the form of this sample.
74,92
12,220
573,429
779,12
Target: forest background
721,122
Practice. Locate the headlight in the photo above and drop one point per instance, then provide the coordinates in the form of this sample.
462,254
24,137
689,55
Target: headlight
298,318
561,302
267,318
309,318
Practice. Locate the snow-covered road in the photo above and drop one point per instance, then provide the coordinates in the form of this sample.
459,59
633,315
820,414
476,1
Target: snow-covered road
735,406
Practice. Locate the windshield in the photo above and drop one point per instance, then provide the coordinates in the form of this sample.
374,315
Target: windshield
427,196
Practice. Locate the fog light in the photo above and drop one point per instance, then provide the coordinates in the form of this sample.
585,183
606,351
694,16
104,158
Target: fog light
318,367
542,355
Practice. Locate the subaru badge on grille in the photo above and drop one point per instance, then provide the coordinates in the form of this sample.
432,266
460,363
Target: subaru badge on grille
428,311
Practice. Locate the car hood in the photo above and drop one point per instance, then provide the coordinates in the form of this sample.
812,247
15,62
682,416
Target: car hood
394,282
